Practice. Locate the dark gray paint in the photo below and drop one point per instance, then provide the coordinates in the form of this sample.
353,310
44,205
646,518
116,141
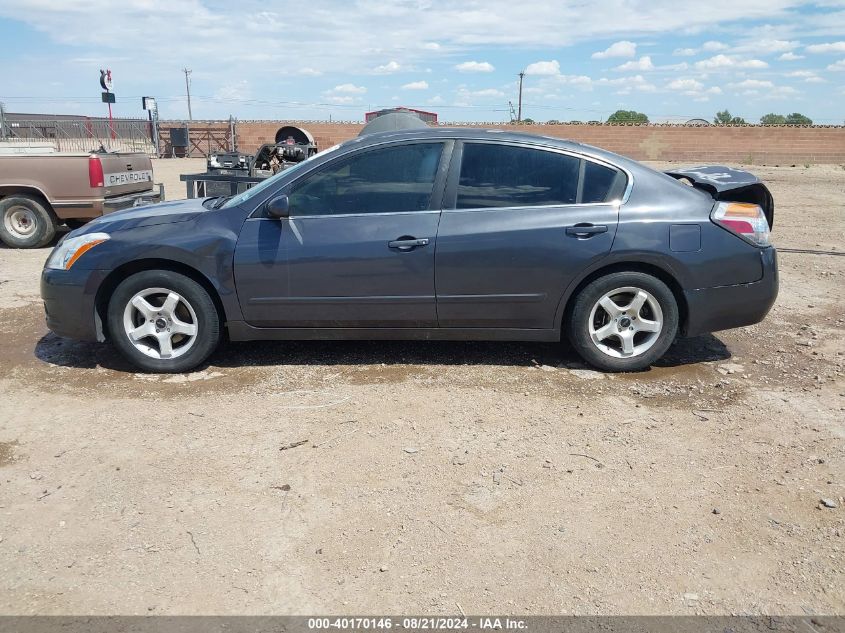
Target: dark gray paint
484,274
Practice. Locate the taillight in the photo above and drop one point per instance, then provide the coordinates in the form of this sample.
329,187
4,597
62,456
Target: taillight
743,219
95,172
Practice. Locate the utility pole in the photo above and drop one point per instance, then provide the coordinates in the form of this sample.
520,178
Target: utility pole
519,109
2,121
188,90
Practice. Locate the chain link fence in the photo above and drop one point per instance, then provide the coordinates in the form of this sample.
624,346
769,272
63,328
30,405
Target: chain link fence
82,135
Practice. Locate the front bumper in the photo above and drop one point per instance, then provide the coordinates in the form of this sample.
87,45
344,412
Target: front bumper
726,307
69,301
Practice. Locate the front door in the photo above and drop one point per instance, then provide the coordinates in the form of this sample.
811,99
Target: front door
357,250
520,223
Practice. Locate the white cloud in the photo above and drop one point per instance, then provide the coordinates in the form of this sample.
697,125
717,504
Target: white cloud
617,49
642,64
551,67
837,66
790,57
766,46
475,67
686,85
626,85
708,47
801,73
725,61
751,83
693,88
338,100
831,47
388,68
416,85
234,92
349,89
431,46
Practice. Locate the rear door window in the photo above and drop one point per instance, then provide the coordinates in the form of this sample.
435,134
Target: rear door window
511,176
494,175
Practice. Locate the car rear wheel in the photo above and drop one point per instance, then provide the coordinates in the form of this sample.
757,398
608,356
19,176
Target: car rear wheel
25,222
163,321
624,321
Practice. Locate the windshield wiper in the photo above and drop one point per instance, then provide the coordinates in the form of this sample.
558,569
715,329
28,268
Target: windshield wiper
221,201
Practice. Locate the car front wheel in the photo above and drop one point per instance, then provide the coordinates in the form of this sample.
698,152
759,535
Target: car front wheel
624,321
163,321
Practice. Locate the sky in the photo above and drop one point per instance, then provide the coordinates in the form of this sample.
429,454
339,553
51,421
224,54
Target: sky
337,59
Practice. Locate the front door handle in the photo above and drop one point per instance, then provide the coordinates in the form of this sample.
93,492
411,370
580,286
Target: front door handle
407,243
586,230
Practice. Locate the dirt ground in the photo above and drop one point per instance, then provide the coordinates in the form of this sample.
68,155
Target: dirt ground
436,477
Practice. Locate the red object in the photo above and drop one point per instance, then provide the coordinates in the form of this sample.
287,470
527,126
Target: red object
740,226
95,172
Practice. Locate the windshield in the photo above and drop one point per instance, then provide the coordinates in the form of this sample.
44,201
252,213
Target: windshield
272,180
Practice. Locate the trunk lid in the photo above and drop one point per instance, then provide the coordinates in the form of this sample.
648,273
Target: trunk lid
726,183
125,173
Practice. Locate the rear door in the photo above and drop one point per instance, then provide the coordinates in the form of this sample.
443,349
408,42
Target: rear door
519,223
358,247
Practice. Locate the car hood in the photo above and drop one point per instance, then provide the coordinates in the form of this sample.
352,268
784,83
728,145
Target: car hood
161,213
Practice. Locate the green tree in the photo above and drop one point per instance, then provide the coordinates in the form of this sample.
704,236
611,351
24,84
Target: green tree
773,119
627,116
725,118
528,121
796,118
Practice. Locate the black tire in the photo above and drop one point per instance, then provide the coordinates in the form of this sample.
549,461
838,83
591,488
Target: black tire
193,297
653,344
75,224
26,222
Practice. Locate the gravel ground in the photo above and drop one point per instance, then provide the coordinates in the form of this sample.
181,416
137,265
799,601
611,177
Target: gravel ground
436,477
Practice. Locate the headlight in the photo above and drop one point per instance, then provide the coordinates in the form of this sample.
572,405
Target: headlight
65,254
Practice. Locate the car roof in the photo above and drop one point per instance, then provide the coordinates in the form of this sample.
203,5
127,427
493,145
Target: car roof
481,134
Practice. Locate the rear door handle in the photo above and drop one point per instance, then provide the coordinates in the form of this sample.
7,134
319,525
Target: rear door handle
408,243
586,230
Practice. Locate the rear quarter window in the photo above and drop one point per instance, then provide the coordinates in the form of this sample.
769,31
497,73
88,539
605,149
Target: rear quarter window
602,184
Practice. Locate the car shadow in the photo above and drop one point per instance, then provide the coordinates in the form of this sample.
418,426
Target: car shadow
67,353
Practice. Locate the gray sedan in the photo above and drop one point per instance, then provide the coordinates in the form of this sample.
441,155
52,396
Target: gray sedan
428,234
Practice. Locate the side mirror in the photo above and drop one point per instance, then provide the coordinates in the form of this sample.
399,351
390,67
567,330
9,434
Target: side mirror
278,207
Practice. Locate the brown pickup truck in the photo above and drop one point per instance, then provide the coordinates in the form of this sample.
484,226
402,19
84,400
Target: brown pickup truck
38,192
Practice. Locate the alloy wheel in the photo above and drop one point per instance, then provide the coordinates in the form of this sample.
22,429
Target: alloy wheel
625,322
160,323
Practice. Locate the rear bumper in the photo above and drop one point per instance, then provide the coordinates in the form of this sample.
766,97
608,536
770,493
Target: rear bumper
69,297
100,206
141,198
726,307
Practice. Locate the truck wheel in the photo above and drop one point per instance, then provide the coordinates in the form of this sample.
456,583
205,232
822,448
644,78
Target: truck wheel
26,222
163,322
624,321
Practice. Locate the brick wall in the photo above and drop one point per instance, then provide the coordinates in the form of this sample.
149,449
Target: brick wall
771,145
